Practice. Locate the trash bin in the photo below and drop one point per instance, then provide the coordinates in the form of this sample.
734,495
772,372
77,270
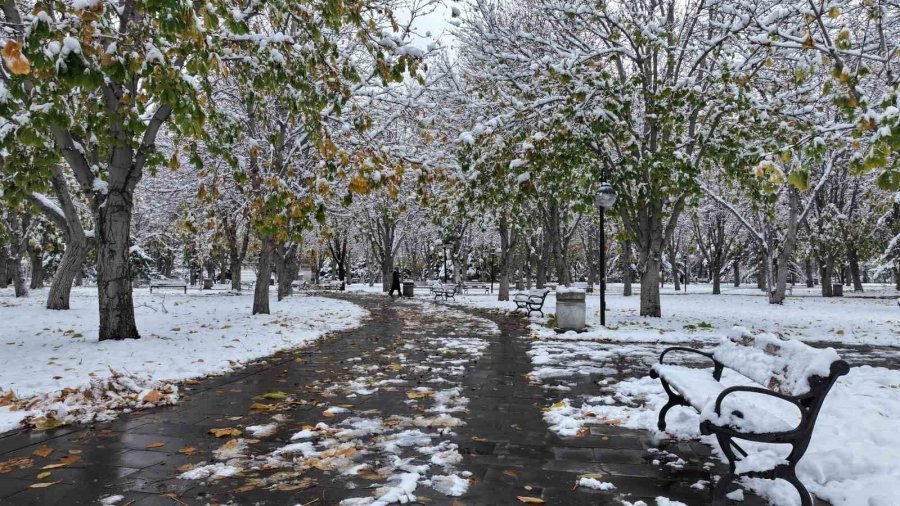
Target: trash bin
408,287
207,284
837,290
570,309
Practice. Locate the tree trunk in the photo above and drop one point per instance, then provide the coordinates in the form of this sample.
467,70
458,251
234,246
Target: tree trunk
761,269
626,268
69,268
36,259
4,267
16,249
234,267
736,267
507,245
263,275
716,279
387,272
897,276
827,270
288,267
853,259
673,263
113,230
810,275
650,304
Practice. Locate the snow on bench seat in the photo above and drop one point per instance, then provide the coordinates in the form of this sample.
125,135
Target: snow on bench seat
781,365
700,389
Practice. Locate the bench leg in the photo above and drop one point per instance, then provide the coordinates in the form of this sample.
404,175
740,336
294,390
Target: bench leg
674,400
789,475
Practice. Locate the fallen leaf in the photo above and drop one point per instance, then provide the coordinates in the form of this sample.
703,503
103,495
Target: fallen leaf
583,432
258,406
530,500
187,450
43,451
44,484
511,474
15,462
417,395
559,405
153,396
7,398
156,444
225,432
63,462
275,396
367,473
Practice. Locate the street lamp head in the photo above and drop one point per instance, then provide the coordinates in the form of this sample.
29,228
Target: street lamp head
606,196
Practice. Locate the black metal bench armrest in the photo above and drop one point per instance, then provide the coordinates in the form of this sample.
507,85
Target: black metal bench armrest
536,298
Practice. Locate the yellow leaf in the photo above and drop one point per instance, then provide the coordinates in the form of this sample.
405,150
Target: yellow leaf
43,475
530,500
559,405
156,444
225,432
417,395
44,484
63,462
187,450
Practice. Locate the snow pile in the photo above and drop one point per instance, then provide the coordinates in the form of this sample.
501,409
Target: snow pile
103,400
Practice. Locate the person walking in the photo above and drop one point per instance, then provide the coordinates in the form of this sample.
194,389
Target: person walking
395,283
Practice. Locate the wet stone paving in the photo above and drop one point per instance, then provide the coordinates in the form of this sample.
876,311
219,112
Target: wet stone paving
424,403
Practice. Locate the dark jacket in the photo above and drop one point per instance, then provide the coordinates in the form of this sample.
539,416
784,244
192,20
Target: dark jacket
395,281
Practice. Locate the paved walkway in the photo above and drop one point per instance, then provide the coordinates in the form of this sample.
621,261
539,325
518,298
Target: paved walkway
402,396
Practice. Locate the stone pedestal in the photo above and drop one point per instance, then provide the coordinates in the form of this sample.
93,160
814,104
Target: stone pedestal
570,309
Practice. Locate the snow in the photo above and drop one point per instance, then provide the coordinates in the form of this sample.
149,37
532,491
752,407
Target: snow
214,471
700,316
183,337
100,186
49,204
594,483
450,485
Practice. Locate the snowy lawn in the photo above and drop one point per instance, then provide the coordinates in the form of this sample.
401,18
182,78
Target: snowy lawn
43,352
854,456
699,315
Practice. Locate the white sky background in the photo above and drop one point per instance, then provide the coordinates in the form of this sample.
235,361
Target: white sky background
436,23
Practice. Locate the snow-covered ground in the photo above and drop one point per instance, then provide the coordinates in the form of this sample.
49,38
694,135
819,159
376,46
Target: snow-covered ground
854,457
699,315
43,352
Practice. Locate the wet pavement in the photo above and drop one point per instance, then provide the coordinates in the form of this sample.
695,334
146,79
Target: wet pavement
391,394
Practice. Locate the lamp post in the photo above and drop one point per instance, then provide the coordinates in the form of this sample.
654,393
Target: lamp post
605,198
494,253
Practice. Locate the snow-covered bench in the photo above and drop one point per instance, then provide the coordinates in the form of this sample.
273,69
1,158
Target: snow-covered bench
531,301
168,284
445,291
793,380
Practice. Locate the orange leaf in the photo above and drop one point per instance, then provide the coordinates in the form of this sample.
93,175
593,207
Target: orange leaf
187,450
153,396
15,60
225,432
43,451
156,444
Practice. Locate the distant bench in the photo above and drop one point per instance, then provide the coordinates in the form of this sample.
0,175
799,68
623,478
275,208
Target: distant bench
797,376
474,286
169,285
531,301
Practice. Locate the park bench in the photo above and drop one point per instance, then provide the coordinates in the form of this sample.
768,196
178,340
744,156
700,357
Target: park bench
793,380
531,301
445,291
168,284
475,286
330,285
